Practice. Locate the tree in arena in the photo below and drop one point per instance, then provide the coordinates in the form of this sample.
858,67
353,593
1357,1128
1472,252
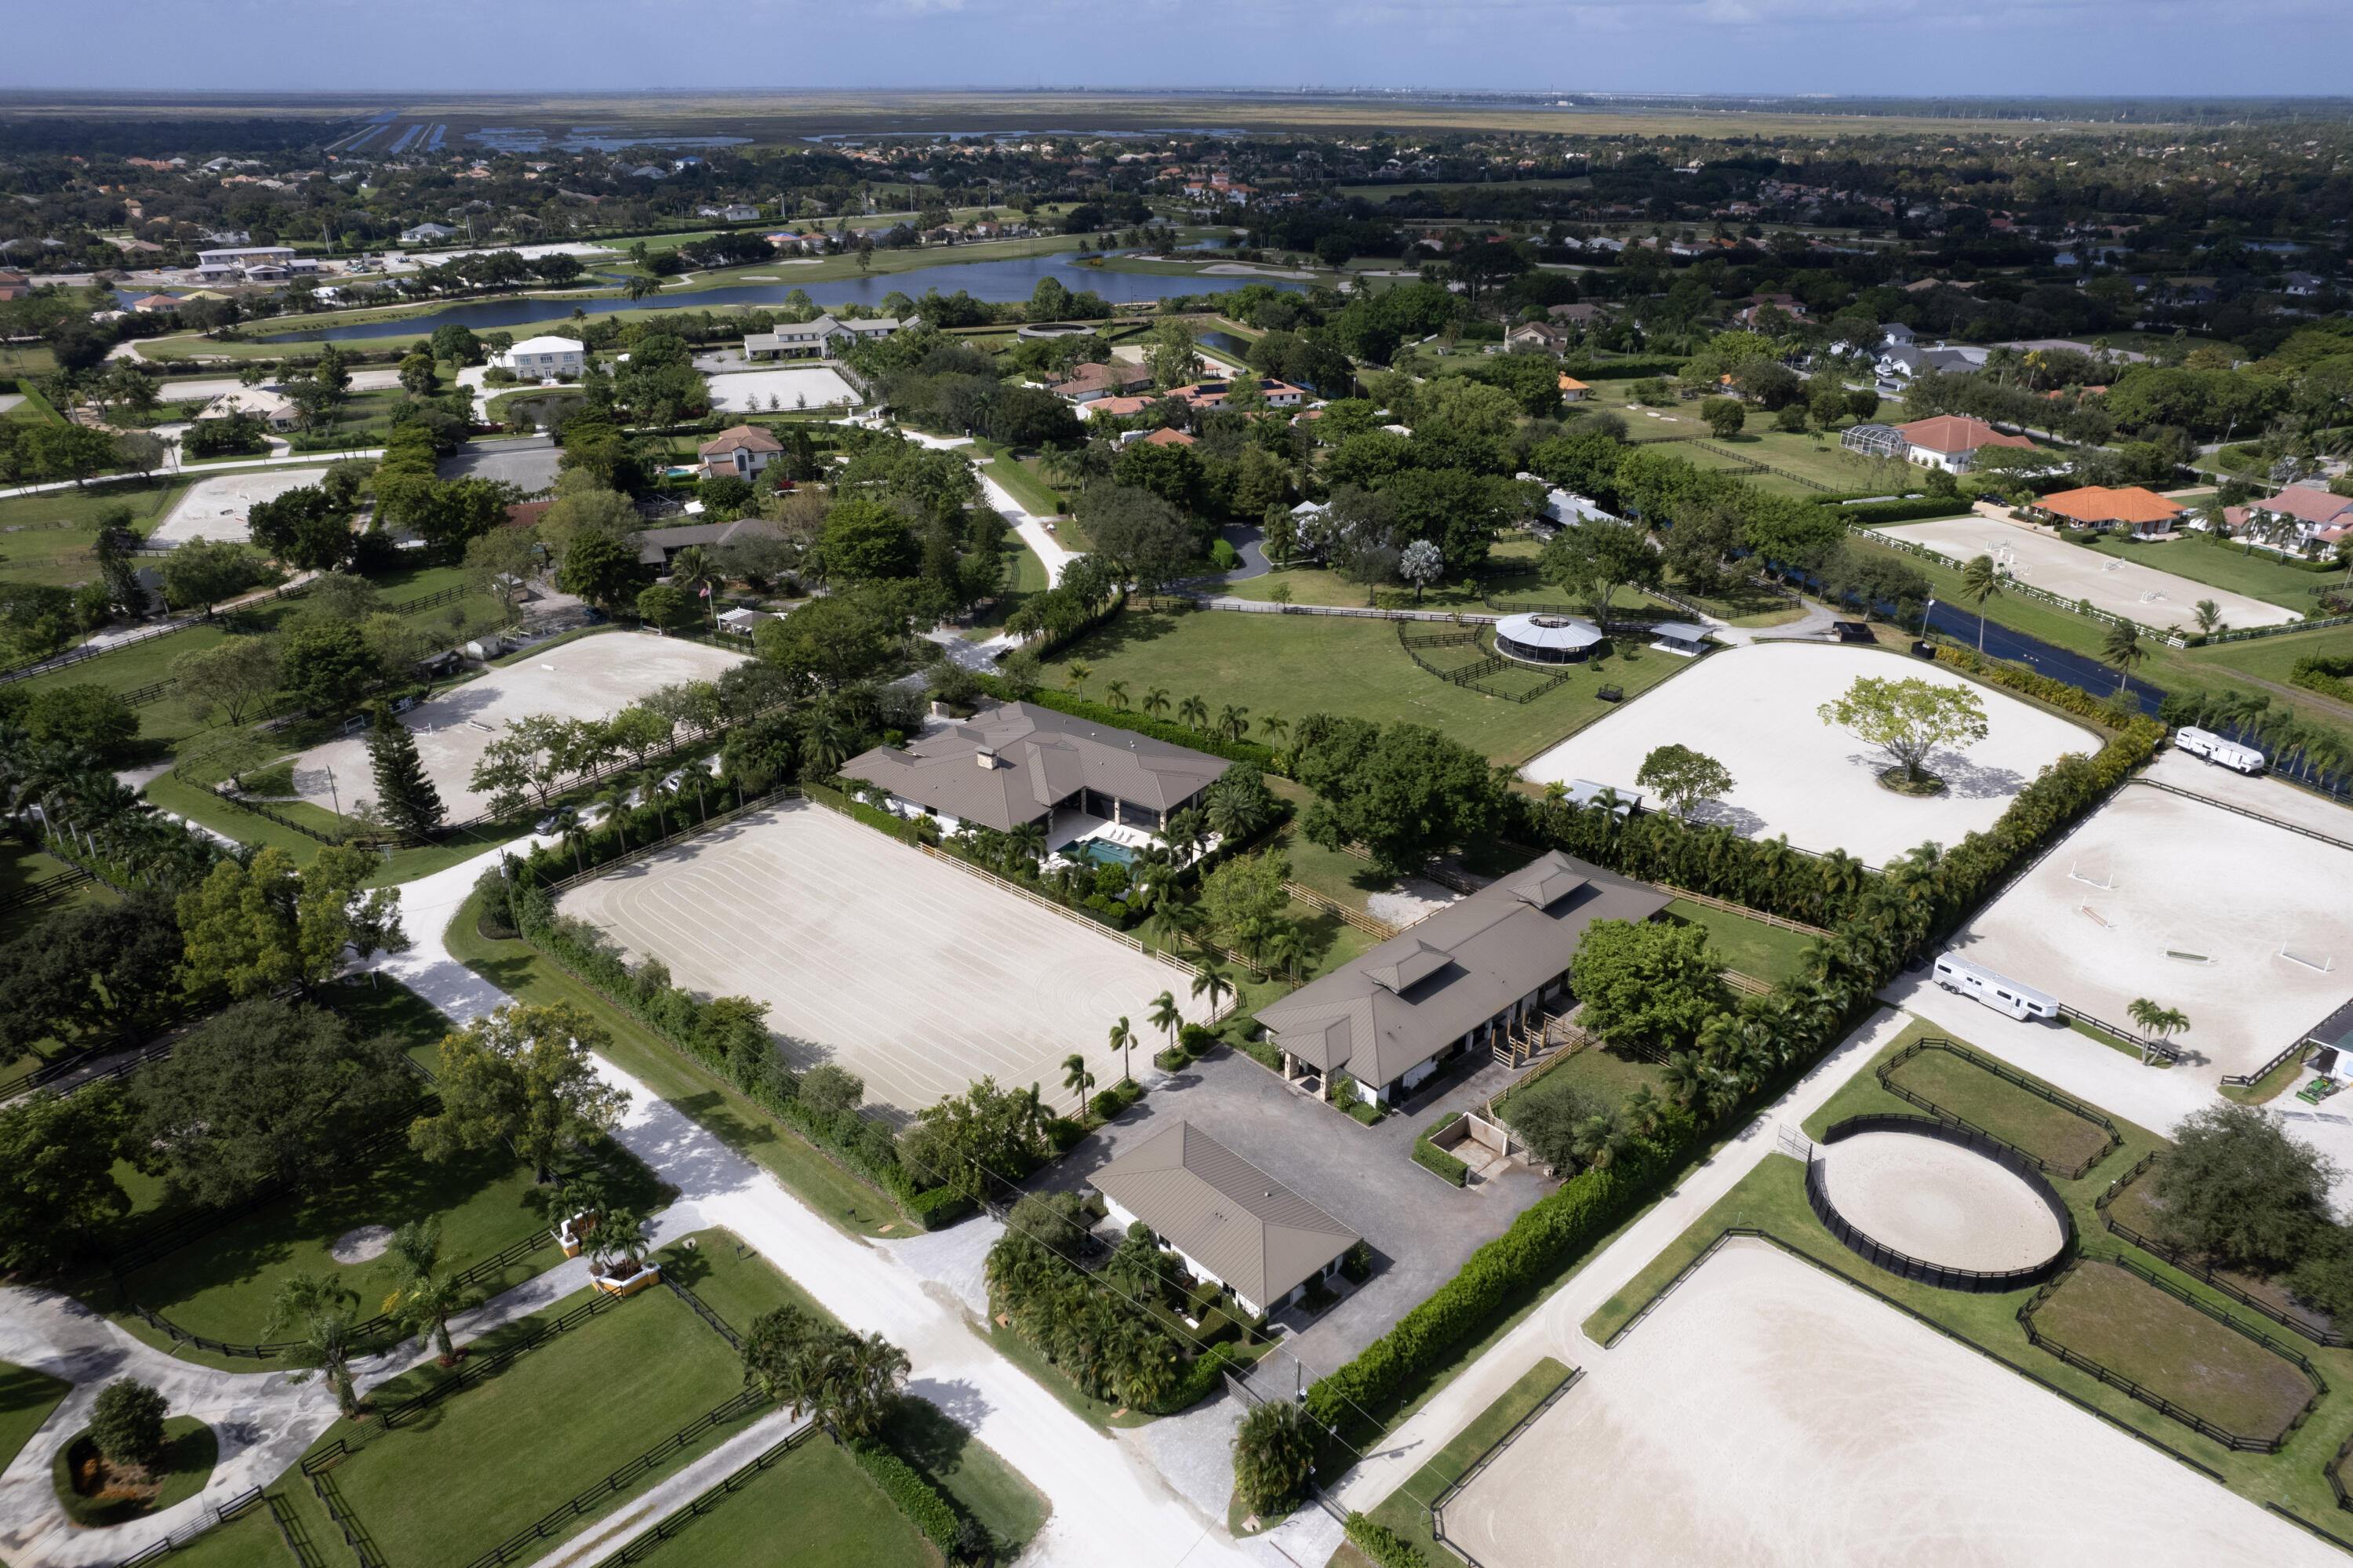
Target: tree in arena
1684,778
1908,718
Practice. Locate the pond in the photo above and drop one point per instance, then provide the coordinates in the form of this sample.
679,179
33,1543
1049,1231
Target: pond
1009,278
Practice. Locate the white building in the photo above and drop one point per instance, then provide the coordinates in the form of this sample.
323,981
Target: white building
544,357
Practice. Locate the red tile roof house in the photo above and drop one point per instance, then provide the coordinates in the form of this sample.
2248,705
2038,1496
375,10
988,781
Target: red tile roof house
739,452
1212,394
1951,441
2318,514
2141,512
1091,383
1169,438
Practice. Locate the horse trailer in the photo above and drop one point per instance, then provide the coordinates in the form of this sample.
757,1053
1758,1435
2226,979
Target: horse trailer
1999,992
2205,743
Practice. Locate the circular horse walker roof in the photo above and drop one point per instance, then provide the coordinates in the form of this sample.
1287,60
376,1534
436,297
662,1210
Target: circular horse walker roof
1545,639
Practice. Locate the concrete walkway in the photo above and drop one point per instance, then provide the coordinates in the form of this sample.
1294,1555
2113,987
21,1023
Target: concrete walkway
1033,531
1110,1502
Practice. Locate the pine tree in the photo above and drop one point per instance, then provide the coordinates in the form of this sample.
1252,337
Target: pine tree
404,793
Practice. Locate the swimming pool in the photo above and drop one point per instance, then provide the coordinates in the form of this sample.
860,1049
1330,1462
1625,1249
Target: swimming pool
1101,851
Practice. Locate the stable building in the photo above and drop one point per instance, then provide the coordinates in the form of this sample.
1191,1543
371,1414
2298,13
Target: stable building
2141,512
1459,980
1230,1220
1016,763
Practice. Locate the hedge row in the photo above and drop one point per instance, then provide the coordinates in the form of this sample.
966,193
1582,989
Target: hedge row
1584,1208
1158,729
910,1493
2046,688
1620,369
1429,1157
1201,1378
1384,1545
2316,673
1874,514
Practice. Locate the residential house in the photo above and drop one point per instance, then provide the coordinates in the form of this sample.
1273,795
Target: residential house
15,286
2302,285
2138,512
741,450
1951,441
1213,394
1091,383
817,339
657,545
1115,408
1583,314
1015,763
148,304
1230,1220
543,358
2300,516
1572,390
1165,438
1458,981
274,409
428,233
1542,336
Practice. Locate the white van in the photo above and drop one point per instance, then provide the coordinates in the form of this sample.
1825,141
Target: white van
2205,743
1999,992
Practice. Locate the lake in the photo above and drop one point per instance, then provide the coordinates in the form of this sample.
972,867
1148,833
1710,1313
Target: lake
1010,278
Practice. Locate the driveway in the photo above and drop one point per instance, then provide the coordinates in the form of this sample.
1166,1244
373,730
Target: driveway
527,460
1420,1229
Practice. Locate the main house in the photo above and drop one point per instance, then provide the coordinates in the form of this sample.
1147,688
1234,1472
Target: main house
1230,1220
1016,763
741,452
1091,383
1952,441
1391,1017
2141,512
814,340
2300,516
544,357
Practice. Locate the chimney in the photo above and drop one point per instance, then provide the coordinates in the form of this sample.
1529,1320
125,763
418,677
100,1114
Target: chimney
985,757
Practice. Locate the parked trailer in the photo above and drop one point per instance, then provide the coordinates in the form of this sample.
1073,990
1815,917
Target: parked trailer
2205,743
1997,992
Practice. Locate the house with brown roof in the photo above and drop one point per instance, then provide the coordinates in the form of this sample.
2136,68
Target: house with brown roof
1951,441
1169,438
657,545
1230,1220
1541,336
1455,981
1583,312
148,304
1015,763
1213,394
740,452
2311,513
2142,513
1090,382
1572,390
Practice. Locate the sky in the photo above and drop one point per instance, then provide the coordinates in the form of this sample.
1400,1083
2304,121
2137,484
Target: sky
1897,47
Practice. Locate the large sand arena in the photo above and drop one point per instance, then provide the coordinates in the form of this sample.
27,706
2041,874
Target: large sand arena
911,973
798,387
221,507
1767,1414
592,677
2113,583
1938,1203
1753,709
2244,927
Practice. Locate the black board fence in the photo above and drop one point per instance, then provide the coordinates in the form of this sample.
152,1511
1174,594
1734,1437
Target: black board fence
2213,1431
237,1507
2067,1102
2175,1257
1944,1276
643,1547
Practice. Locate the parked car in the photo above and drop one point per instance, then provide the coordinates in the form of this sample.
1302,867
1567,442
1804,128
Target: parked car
556,821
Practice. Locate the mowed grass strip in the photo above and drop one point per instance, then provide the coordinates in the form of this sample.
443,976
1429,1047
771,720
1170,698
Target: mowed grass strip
489,1461
250,1540
1348,667
1763,952
1955,1084
816,1499
27,1397
1407,1511
2174,1350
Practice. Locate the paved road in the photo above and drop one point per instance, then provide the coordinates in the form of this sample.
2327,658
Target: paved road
1111,1504
526,460
1033,531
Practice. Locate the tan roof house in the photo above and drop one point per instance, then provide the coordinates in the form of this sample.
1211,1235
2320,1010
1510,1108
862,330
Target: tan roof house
272,408
1230,1220
740,452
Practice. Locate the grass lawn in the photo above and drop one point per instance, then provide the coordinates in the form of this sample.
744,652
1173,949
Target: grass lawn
192,1449
738,1286
494,1457
515,967
1509,575
21,865
1025,574
2176,1351
815,1497
1956,1084
1407,1511
46,538
1766,952
1295,665
1606,1072
27,1397
1773,1197
250,1540
2258,574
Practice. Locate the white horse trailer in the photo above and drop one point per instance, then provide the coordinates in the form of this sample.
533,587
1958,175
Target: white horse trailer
1999,992
2205,743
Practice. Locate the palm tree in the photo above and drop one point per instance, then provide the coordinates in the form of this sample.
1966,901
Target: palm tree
859,1387
2122,647
1075,674
1155,701
2160,1021
692,571
1115,693
425,1307
2209,617
1644,1110
1163,1015
1193,713
1213,982
1285,949
1980,581
825,739
1077,1079
323,1312
411,1254
1233,720
1275,726
1122,1038
1027,840
640,286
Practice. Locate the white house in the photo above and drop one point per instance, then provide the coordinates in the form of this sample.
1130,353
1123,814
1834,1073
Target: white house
272,408
428,233
544,357
816,339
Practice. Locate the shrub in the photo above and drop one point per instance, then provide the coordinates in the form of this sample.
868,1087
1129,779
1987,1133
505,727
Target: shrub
1432,1158
1384,1545
1358,1265
127,1423
907,1490
1274,1454
1172,1059
1874,513
1195,1039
